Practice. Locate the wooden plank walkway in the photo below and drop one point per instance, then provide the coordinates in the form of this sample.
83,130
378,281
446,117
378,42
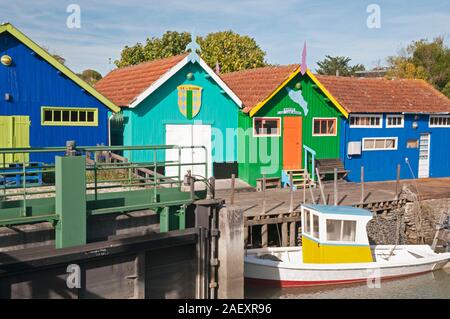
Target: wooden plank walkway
278,200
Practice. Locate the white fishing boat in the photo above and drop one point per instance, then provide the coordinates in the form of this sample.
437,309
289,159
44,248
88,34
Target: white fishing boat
335,250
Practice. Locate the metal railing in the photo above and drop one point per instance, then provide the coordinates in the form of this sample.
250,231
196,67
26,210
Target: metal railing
103,172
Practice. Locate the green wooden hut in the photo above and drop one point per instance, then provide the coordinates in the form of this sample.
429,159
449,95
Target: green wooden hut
289,120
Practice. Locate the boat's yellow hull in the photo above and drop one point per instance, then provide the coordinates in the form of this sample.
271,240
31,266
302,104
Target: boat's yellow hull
316,253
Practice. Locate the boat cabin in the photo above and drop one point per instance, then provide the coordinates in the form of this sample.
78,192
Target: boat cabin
335,234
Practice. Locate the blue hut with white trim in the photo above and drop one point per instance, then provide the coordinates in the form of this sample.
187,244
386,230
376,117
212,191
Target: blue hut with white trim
43,103
392,122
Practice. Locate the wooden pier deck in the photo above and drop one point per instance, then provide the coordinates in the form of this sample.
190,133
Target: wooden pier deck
278,200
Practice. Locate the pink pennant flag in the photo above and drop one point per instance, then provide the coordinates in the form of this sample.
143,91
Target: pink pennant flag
217,69
303,66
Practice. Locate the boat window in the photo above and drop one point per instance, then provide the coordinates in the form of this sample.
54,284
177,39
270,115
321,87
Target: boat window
315,226
307,221
349,230
334,229
341,230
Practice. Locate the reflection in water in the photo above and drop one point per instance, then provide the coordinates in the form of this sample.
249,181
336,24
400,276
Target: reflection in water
429,285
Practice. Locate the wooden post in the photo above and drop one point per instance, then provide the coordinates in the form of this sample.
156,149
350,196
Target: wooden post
264,194
335,187
304,187
311,191
232,189
362,184
231,254
321,187
264,236
284,234
291,191
292,234
211,189
245,235
397,183
264,228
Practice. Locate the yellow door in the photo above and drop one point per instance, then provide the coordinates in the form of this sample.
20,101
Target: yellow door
5,138
15,133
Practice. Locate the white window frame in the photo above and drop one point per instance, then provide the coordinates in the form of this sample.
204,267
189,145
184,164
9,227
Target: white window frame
395,126
312,226
380,138
307,222
380,116
438,116
325,118
266,135
341,241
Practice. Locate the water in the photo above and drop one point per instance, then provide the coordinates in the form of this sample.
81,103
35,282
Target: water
429,285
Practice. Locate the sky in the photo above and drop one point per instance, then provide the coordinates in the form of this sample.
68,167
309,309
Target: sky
280,27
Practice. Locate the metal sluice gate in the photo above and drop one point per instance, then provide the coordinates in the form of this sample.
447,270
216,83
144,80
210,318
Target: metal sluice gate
79,184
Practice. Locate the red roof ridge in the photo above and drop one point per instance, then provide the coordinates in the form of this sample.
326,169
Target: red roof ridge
145,63
362,78
262,68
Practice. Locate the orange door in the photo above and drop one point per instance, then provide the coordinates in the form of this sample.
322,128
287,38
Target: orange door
292,142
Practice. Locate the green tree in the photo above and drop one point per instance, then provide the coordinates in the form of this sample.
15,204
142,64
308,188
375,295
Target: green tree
232,51
59,58
131,55
90,76
171,43
333,65
55,55
423,60
446,90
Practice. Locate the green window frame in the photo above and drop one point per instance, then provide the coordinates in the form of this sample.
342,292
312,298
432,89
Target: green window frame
68,116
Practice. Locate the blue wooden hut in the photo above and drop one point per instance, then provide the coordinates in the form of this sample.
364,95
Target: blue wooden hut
392,122
178,100
43,103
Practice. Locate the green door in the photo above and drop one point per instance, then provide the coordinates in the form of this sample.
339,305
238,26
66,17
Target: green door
15,133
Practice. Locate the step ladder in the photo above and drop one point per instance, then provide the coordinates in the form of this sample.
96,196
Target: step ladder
298,176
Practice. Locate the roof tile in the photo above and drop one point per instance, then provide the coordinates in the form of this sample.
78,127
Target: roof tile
381,95
123,85
255,85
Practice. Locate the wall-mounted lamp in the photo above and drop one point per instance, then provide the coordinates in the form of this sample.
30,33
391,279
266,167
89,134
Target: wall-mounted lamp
7,97
190,76
298,85
415,125
6,60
